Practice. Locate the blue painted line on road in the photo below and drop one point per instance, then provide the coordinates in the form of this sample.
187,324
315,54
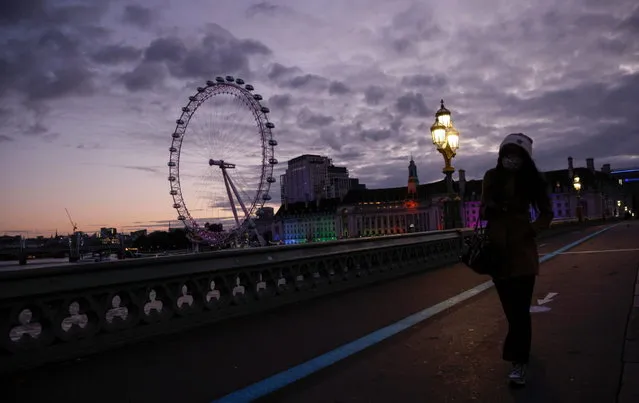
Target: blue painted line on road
291,375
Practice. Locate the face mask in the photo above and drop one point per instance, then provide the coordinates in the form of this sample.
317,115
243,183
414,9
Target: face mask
511,163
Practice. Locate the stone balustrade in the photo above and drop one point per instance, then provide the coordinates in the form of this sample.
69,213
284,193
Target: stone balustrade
58,313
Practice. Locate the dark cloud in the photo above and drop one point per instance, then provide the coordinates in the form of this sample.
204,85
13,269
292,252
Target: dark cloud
74,80
268,9
374,94
217,53
89,146
14,11
5,138
262,8
338,88
376,134
412,104
348,154
631,22
36,129
282,101
44,48
153,170
146,76
165,50
330,138
422,80
137,15
309,120
278,71
114,54
410,27
43,13
599,120
307,81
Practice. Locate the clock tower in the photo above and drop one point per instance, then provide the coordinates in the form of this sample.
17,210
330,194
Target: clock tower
413,181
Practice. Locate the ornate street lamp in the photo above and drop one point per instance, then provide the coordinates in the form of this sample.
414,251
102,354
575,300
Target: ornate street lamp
576,183
446,139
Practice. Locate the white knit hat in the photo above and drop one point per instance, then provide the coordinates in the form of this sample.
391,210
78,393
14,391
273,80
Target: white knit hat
520,140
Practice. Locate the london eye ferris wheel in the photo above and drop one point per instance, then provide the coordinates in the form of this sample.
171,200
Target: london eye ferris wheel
221,161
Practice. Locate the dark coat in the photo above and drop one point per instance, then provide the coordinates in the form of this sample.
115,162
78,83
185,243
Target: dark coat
509,228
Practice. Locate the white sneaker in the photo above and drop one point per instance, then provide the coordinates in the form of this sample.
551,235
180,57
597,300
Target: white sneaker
518,375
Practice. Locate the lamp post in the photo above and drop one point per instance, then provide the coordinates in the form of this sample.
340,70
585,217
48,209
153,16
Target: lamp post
446,139
576,183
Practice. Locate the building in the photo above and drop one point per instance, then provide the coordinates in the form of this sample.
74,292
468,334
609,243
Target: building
108,236
137,234
312,177
628,178
304,222
413,208
470,195
597,198
420,207
108,232
376,212
265,217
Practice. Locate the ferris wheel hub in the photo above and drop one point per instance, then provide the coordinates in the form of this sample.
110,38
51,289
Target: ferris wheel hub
220,163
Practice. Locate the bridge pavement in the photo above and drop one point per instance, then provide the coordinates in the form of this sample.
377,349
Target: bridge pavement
454,356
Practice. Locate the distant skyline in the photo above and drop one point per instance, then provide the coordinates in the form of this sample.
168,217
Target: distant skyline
89,91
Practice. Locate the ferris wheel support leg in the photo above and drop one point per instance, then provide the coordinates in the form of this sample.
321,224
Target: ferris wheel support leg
239,199
260,238
228,192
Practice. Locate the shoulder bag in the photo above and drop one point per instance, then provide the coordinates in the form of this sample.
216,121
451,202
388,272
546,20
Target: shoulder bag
478,253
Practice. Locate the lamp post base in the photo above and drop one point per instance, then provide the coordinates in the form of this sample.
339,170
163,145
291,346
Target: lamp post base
580,214
452,214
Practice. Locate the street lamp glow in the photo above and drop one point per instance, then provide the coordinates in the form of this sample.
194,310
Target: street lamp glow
444,117
577,184
452,138
438,133
446,139
445,136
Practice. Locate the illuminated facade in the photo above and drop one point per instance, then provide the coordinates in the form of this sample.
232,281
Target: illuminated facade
417,208
414,208
305,222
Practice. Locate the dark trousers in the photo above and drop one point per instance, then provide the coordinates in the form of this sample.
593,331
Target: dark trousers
515,294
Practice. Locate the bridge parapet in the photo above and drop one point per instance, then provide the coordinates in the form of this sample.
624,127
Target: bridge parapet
49,314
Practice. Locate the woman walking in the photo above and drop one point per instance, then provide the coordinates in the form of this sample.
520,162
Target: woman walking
509,190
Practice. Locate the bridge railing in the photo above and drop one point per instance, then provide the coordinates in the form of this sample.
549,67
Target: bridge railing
57,313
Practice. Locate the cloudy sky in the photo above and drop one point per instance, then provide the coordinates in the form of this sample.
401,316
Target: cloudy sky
90,91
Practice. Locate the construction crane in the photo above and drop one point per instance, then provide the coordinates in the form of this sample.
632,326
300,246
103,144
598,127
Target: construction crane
74,225
73,257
